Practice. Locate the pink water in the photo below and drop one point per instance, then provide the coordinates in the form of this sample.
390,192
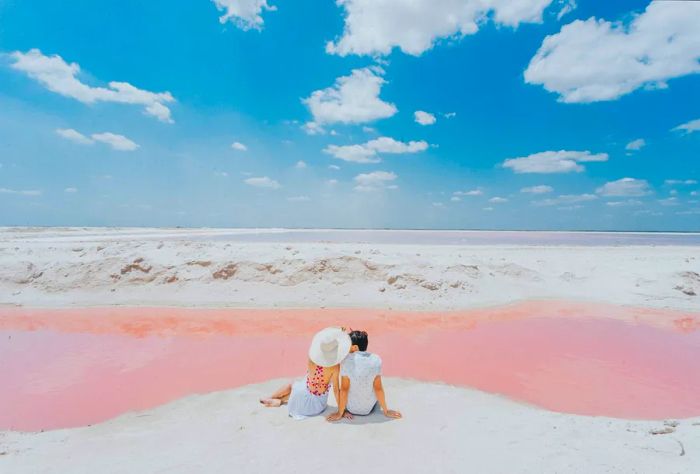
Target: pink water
64,368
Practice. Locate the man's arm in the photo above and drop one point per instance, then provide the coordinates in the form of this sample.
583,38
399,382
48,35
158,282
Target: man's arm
342,400
381,398
336,384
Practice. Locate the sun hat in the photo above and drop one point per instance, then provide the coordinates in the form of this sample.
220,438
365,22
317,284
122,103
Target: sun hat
329,347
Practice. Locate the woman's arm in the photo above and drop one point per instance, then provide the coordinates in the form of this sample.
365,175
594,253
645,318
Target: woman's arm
381,398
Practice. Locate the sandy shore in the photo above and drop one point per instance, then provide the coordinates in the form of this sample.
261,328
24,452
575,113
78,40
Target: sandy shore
445,429
202,267
639,345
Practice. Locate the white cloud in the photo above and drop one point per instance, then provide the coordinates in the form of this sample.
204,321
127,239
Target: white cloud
332,182
367,129
673,182
375,180
352,99
688,127
60,77
672,201
540,189
368,152
298,199
635,145
70,190
450,115
117,142
221,174
695,193
597,60
424,118
567,7
627,203
625,187
312,128
375,27
471,192
262,182
353,153
239,146
245,14
74,136
455,199
438,204
300,164
334,167
498,200
561,161
489,209
566,199
23,192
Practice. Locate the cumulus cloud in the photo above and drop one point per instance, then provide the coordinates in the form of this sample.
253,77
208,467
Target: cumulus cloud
635,145
22,192
352,99
597,60
300,164
116,141
688,127
62,78
368,152
625,187
375,180
375,27
239,146
566,199
70,190
561,161
74,136
424,118
498,200
540,189
245,14
262,182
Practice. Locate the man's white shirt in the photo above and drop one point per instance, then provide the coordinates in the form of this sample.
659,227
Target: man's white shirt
361,368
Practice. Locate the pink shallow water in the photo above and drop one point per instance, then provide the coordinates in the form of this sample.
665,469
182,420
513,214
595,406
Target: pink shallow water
64,368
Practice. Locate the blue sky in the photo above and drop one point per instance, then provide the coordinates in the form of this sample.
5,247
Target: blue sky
460,114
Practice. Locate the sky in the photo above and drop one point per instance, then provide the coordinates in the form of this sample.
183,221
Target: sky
441,114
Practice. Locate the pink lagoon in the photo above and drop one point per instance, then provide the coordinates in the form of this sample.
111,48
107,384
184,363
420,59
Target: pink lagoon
74,367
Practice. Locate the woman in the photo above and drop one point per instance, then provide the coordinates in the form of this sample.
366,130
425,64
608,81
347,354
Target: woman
309,396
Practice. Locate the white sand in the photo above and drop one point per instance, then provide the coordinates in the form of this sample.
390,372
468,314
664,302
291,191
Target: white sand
445,429
74,267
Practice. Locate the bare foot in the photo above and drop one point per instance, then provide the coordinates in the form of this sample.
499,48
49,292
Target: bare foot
271,402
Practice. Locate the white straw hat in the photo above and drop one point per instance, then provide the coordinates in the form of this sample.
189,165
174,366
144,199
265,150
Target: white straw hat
329,347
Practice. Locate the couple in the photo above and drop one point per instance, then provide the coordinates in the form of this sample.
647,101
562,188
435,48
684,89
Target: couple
339,359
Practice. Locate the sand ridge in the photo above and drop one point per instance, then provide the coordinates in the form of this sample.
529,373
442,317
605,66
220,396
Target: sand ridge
60,268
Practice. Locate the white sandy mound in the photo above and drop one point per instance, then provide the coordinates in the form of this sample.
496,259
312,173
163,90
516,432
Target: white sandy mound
445,429
110,267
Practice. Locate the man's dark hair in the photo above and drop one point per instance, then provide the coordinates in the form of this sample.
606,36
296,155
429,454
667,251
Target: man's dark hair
359,339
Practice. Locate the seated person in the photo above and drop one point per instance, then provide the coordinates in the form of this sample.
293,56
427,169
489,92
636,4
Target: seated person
361,382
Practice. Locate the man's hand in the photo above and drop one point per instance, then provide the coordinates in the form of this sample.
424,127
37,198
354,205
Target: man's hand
334,416
392,414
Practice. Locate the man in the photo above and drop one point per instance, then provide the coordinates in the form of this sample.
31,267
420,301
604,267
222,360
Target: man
361,382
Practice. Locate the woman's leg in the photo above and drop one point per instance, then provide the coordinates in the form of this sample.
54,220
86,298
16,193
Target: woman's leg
279,397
